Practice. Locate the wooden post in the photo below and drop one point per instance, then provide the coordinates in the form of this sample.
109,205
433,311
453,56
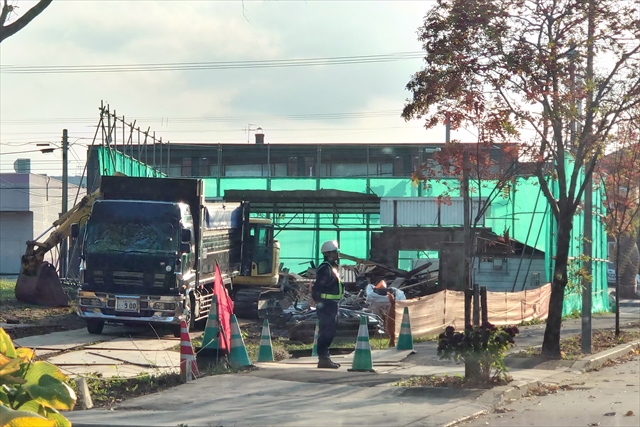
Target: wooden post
83,391
476,305
468,295
483,304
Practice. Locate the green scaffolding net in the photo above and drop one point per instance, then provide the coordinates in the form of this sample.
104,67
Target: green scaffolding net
112,161
522,210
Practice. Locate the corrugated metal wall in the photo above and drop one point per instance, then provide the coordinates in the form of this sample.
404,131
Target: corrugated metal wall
510,274
426,211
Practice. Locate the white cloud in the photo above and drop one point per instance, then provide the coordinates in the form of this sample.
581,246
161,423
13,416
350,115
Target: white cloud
134,32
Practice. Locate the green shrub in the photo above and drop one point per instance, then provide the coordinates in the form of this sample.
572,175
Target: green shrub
32,392
481,348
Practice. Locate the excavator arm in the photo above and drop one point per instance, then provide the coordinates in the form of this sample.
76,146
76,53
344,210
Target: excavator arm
38,282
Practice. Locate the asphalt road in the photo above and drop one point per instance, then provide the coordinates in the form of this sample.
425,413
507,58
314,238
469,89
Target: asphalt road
609,397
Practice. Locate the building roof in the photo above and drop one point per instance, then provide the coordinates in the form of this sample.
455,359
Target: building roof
306,201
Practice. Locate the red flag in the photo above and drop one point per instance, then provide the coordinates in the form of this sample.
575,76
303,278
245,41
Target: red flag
225,310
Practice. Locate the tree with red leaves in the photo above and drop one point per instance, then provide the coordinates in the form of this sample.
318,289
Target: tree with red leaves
528,67
619,175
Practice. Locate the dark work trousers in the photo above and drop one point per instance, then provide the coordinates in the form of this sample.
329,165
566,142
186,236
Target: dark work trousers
327,312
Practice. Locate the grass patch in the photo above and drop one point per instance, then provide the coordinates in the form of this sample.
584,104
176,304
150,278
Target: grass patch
7,289
532,322
453,381
600,341
376,343
575,314
425,338
109,391
571,348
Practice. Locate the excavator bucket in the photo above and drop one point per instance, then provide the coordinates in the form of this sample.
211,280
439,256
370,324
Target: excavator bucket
43,289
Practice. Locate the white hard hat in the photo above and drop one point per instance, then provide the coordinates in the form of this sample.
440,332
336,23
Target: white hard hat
329,246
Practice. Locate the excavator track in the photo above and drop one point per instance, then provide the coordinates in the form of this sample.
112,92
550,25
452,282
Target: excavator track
245,302
258,302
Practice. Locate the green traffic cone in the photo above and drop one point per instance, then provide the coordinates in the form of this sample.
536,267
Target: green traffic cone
314,352
210,340
266,349
405,339
362,356
238,356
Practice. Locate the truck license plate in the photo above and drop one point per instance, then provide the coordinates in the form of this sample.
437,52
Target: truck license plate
125,304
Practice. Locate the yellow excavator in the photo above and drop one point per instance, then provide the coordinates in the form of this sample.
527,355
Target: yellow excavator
38,282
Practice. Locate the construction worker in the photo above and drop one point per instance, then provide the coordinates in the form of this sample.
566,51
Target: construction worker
327,293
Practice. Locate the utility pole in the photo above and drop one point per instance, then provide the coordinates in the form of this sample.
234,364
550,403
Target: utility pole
447,130
588,251
588,199
249,130
466,206
65,200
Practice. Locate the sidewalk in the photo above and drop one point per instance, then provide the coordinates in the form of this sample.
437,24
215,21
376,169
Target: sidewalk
295,393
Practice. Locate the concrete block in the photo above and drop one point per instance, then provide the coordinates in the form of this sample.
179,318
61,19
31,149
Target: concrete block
83,391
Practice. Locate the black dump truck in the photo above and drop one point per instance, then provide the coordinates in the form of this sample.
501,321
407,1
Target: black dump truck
150,247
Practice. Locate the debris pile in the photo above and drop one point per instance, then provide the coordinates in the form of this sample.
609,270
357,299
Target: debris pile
370,289
421,281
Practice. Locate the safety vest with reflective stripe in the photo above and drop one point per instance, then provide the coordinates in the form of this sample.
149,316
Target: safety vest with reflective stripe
332,296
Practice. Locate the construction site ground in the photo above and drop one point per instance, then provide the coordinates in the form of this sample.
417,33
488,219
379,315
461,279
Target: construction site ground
292,391
23,320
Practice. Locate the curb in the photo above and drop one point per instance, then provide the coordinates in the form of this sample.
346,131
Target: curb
466,418
598,360
495,397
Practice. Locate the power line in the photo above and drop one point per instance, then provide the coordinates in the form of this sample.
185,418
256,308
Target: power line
214,65
206,119
28,151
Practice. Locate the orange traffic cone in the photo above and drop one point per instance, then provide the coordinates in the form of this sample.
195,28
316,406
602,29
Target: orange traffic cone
188,365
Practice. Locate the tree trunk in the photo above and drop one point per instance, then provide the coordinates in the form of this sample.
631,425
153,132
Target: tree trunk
551,343
472,371
629,260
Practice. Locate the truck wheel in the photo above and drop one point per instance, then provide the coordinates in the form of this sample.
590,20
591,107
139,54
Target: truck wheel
177,332
95,326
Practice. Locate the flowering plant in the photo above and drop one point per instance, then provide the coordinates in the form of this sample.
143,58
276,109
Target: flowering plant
481,348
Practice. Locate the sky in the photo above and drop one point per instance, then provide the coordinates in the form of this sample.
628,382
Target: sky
323,103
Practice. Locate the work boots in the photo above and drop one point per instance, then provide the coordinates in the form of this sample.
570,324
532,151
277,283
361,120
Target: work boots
327,363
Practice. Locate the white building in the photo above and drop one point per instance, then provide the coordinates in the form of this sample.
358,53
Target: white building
29,204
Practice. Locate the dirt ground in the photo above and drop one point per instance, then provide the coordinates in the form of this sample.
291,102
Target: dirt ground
23,320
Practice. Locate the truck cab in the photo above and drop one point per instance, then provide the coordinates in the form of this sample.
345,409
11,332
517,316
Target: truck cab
136,258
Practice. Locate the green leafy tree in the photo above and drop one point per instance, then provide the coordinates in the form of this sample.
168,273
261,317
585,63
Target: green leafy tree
9,27
564,71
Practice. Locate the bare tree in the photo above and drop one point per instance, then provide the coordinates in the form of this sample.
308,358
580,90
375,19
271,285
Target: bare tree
7,30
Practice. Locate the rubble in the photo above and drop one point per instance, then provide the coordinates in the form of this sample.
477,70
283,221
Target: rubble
293,307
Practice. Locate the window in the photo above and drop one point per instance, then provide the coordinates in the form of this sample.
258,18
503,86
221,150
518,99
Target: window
186,167
535,279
